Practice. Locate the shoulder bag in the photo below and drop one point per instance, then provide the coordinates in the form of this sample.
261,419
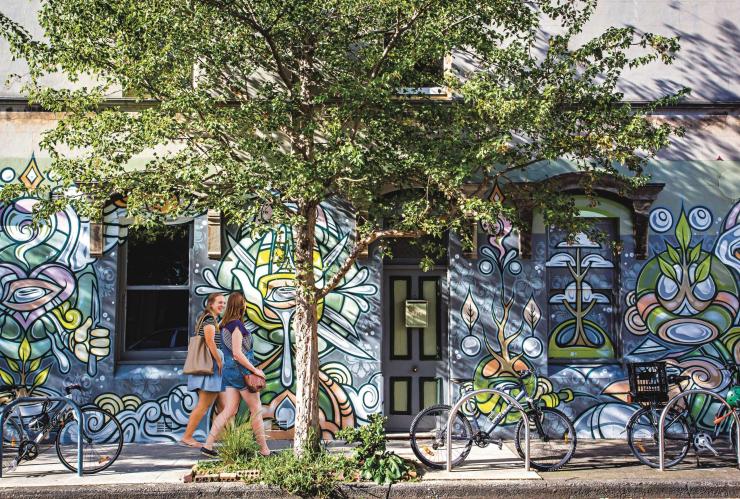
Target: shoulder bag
199,360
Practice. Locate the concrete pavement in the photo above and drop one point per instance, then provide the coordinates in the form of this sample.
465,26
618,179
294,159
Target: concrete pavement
599,469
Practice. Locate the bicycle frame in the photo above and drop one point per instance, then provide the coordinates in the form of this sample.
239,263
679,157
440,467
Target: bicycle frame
27,400
501,416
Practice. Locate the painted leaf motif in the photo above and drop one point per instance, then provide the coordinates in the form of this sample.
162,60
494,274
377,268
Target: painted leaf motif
673,254
13,365
24,351
683,232
694,253
532,313
41,377
469,311
6,377
35,364
703,269
667,269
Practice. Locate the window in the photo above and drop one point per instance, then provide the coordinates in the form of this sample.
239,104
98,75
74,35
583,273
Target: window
582,281
156,281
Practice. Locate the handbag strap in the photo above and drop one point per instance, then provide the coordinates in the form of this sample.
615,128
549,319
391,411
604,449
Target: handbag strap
200,322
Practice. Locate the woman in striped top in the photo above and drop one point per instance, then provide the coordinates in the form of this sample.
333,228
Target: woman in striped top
207,387
239,360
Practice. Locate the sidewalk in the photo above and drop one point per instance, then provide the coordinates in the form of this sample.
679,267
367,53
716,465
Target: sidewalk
599,469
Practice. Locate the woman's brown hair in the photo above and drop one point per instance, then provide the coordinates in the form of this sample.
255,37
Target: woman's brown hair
235,307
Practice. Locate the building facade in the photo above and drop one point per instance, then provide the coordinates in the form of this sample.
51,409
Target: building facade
113,312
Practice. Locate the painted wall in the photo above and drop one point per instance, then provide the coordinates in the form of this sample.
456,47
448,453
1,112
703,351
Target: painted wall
680,305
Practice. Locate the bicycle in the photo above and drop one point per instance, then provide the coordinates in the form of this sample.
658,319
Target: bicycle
682,431
552,435
24,435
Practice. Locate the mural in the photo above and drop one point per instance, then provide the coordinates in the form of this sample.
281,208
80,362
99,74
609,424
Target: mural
262,268
50,313
682,305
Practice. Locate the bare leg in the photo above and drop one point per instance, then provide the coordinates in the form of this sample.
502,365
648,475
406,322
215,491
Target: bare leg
205,400
230,400
255,415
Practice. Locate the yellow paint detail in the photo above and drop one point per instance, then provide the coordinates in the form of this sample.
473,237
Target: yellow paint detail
70,318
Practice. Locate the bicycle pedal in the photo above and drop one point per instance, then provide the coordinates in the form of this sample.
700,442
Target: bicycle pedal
499,443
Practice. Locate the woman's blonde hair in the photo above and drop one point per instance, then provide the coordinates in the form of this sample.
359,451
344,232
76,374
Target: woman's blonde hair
235,307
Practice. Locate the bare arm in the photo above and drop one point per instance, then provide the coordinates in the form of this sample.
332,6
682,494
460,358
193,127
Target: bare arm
209,334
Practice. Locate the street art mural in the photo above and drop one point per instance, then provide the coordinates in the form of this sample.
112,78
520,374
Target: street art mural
574,312
49,304
262,268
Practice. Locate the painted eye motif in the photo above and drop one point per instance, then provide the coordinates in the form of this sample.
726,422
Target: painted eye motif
30,294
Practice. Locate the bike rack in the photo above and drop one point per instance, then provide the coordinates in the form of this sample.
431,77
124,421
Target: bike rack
456,408
672,402
64,400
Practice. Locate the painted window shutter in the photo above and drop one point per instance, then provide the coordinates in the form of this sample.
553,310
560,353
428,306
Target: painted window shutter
214,234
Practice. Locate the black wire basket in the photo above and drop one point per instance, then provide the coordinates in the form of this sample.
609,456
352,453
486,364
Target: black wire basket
648,382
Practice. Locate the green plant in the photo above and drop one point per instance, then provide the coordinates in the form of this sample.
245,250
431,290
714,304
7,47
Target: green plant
237,443
385,467
311,474
377,463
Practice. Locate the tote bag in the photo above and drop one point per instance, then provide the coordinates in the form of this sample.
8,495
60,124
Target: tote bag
199,360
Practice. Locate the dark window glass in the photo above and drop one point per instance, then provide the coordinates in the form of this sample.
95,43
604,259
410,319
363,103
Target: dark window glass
157,294
159,257
157,319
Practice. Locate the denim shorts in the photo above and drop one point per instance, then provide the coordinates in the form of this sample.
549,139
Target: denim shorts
233,374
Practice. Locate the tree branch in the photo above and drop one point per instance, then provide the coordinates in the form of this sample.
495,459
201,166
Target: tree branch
359,247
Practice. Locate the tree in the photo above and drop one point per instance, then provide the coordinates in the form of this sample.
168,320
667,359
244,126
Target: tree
287,104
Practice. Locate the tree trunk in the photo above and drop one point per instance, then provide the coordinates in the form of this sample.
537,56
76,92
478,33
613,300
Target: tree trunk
305,329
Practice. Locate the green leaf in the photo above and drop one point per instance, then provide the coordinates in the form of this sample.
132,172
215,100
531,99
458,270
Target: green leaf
683,232
667,269
41,377
6,377
13,365
695,253
703,269
24,350
35,364
673,253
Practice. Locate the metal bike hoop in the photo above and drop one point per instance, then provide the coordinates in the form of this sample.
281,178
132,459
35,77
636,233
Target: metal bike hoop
514,402
672,402
25,400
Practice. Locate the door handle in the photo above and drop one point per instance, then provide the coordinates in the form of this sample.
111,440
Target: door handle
414,369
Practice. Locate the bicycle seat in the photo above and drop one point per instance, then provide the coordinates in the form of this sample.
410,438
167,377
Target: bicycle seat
460,381
68,389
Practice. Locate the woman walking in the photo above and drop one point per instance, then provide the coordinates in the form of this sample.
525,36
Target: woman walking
208,387
238,361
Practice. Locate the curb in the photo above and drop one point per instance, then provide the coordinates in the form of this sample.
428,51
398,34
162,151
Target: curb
428,489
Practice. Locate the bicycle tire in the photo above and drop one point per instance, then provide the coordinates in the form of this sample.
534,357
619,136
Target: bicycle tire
568,438
638,444
98,423
416,443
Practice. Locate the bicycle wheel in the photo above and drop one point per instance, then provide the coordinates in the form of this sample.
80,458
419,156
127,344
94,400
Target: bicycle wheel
429,436
102,440
13,439
642,436
552,439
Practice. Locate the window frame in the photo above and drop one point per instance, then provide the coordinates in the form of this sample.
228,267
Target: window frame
125,356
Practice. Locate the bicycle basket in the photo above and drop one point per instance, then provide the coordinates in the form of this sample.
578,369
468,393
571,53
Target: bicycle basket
648,382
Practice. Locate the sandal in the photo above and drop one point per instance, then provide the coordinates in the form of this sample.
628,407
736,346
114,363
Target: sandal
208,452
194,445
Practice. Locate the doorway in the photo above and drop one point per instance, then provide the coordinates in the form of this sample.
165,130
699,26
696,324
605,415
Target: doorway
415,342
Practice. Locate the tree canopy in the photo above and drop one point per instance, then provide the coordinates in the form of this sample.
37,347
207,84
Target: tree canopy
249,106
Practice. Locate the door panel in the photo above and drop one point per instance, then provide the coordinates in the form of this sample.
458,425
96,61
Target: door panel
415,363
